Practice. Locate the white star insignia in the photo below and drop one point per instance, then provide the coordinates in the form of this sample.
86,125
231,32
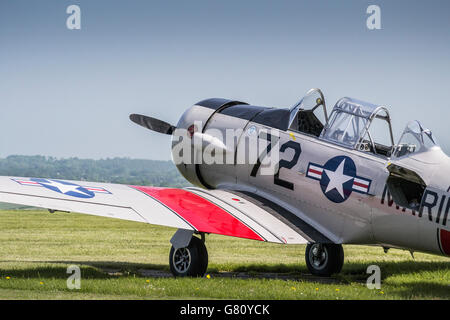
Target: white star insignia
63,188
337,179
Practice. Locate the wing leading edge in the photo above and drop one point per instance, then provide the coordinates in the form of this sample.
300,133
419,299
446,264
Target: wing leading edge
211,211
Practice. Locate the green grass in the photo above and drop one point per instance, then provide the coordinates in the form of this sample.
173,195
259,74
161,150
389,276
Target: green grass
37,247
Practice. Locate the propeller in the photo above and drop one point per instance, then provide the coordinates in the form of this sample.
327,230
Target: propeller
152,123
201,140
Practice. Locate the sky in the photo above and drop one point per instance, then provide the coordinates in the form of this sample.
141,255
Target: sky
68,93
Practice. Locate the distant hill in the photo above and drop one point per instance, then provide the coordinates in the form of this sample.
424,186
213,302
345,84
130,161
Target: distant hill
115,170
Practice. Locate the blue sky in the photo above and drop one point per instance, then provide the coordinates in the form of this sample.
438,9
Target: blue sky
68,93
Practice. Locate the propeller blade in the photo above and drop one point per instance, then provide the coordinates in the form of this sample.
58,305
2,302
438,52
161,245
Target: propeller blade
152,123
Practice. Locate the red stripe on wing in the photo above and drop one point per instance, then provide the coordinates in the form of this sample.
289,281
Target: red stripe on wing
445,241
200,213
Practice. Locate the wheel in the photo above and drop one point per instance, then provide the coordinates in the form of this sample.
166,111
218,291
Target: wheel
324,259
191,261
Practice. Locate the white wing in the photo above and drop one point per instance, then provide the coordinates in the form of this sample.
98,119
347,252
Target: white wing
211,211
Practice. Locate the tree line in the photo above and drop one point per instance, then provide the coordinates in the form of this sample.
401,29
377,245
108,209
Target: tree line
111,170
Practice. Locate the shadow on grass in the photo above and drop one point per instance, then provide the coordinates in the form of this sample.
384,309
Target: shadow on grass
393,268
352,271
422,290
89,269
407,288
50,272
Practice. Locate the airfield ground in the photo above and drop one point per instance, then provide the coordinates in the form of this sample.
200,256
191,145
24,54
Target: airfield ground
127,260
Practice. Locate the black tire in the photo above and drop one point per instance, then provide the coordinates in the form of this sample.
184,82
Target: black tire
324,259
191,261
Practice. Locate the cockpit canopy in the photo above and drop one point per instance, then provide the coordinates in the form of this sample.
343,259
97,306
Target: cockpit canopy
356,124
353,123
414,139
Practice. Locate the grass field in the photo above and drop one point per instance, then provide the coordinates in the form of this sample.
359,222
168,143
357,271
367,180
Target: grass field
127,260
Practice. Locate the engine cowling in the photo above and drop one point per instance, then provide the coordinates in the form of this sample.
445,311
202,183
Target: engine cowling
205,144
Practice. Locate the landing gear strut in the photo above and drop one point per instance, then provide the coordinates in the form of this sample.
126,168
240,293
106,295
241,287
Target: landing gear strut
324,259
190,261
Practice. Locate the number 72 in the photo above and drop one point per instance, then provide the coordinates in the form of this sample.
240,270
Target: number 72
282,163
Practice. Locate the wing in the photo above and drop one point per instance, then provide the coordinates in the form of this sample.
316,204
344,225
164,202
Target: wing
273,222
230,213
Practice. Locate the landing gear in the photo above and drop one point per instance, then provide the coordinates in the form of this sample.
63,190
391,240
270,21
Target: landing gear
190,261
324,259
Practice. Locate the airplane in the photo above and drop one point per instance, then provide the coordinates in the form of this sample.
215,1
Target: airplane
313,179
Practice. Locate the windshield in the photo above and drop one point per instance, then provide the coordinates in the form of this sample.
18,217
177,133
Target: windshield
414,139
311,101
310,114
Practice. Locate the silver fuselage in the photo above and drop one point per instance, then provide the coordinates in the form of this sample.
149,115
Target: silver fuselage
363,218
